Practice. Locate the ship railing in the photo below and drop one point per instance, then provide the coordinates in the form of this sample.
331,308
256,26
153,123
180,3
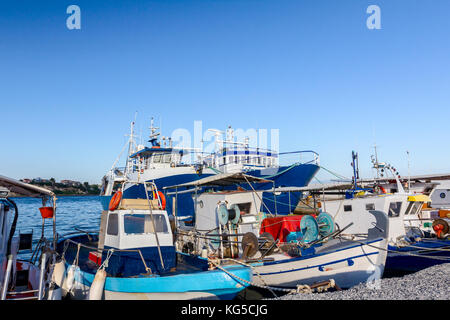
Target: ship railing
67,242
301,156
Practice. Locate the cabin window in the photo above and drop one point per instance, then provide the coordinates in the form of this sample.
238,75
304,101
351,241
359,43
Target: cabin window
347,208
157,158
394,209
442,195
142,223
166,158
413,207
370,206
245,207
113,225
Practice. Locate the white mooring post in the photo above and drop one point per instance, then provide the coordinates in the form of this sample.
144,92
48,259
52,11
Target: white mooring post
41,276
7,276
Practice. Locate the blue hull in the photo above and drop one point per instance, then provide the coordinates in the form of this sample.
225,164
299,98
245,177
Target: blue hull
414,259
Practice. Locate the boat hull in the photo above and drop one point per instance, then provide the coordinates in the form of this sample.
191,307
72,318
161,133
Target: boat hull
423,255
210,285
347,267
297,175
190,280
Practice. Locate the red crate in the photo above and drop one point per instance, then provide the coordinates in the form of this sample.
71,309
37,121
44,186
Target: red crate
95,257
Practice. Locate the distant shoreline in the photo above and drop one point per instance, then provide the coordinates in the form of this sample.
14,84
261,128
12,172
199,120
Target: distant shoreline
58,195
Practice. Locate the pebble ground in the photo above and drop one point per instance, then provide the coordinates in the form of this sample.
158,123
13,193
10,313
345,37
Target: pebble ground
429,284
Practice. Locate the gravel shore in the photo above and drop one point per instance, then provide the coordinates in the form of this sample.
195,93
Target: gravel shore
429,284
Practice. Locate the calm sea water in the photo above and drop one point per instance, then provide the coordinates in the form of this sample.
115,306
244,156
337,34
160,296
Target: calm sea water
82,212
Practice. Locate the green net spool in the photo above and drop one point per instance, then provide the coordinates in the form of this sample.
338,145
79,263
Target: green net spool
222,214
326,224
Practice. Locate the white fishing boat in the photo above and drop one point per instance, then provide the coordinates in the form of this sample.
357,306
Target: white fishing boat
25,279
410,249
283,251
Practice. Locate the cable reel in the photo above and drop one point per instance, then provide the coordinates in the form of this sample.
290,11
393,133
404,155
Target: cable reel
326,224
222,213
249,245
234,213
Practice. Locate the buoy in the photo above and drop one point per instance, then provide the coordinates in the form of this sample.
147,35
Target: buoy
96,290
162,198
204,252
54,292
115,200
59,273
440,227
70,279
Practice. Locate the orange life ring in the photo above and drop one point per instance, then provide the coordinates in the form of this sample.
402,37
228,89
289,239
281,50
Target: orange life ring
162,197
382,189
115,200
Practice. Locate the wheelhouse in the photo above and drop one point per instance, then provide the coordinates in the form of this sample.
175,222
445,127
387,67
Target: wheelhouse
156,157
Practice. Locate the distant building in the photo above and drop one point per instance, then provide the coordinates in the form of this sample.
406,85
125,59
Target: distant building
26,180
71,183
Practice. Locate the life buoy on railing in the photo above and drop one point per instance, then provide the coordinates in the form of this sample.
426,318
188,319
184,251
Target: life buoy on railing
383,190
115,200
162,198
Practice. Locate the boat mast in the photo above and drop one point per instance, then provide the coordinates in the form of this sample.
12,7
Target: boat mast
376,160
130,146
409,174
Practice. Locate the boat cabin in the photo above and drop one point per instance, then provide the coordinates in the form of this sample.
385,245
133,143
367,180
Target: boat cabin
131,229
156,158
237,160
135,234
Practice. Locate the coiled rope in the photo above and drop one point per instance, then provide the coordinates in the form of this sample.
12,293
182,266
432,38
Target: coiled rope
301,288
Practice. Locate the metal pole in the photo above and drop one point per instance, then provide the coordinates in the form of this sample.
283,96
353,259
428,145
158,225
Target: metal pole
7,276
409,174
153,223
54,223
289,194
41,276
275,199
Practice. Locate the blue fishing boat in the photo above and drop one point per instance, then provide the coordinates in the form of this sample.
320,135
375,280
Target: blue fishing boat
165,165
133,257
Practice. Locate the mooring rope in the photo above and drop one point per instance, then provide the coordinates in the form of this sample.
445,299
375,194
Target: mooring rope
301,288
395,251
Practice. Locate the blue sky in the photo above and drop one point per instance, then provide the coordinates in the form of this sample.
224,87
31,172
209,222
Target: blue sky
311,69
